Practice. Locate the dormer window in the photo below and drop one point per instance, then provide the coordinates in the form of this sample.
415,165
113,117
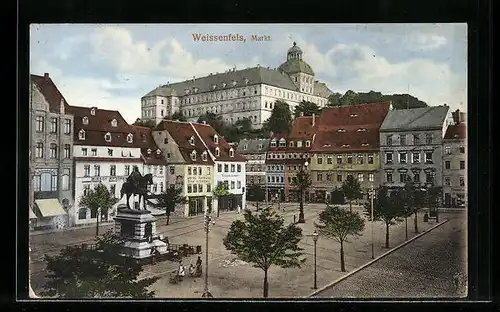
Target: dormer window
246,80
234,83
217,152
186,91
204,156
353,115
345,145
231,152
158,152
130,138
362,130
114,123
308,143
195,89
107,137
216,139
282,142
365,144
92,111
214,86
223,84
81,135
260,147
193,155
341,130
290,144
149,151
245,147
273,143
191,141
85,120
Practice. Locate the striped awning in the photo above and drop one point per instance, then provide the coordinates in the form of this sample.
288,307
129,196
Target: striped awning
50,207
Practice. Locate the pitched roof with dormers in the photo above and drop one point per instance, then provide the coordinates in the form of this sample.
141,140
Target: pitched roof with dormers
424,118
50,92
207,134
100,122
187,141
303,129
456,132
353,127
253,146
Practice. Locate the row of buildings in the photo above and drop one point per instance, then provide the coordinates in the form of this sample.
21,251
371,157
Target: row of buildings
372,142
73,149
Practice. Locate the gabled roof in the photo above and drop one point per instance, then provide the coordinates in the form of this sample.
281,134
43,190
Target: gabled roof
207,133
181,133
456,132
252,146
254,75
350,128
320,89
50,92
425,118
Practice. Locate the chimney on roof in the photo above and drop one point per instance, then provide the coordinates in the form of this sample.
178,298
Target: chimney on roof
313,119
61,107
194,78
46,76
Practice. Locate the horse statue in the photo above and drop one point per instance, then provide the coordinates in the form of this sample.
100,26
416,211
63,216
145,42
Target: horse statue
136,184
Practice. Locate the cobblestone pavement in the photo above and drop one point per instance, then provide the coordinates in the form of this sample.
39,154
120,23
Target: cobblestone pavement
244,281
425,267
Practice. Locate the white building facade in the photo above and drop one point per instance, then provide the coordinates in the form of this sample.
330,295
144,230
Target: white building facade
238,94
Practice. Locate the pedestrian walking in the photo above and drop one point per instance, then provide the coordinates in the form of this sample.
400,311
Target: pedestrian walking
181,271
239,209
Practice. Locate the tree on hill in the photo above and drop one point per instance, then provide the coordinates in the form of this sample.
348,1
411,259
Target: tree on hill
387,208
169,199
352,190
399,101
264,240
79,272
338,224
334,100
144,123
307,108
214,120
178,116
99,201
281,118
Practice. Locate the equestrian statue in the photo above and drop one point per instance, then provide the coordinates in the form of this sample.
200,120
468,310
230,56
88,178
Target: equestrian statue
136,184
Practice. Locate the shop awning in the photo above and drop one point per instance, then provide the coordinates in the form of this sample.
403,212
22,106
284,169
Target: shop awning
50,207
32,214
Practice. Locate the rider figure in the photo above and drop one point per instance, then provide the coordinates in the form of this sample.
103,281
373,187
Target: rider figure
134,177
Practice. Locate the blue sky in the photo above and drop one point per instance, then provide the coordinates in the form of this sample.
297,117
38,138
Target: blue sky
113,65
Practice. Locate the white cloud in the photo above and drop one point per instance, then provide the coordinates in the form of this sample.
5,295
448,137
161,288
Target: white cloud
423,41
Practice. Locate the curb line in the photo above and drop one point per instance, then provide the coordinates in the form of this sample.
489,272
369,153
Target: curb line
376,259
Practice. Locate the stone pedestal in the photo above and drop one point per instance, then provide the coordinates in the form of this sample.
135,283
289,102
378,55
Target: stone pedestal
138,229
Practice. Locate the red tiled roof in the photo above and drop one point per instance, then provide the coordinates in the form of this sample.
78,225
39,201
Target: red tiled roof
303,128
206,132
111,159
50,92
454,132
100,123
359,125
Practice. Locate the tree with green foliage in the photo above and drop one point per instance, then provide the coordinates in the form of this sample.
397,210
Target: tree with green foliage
349,98
307,109
98,200
178,116
144,123
302,182
256,194
337,196
414,201
433,198
78,272
264,240
169,199
338,224
334,100
214,120
387,208
281,118
219,192
352,190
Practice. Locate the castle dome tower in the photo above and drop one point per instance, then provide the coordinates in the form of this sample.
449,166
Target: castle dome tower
299,71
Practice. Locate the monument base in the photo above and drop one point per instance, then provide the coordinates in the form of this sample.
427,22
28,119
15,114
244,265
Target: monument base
138,230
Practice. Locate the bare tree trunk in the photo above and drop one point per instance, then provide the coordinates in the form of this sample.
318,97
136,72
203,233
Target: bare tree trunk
168,217
387,235
266,285
350,205
406,227
415,222
342,260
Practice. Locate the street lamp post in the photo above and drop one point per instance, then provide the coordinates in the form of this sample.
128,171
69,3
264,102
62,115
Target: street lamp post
372,192
315,239
207,220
